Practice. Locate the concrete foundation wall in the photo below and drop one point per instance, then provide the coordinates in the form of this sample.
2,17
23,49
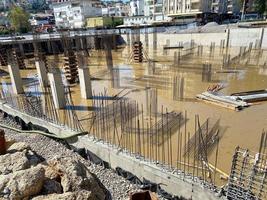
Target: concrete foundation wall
237,37
172,183
264,40
57,130
242,37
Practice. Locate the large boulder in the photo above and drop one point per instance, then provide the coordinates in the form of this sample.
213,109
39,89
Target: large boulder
78,195
14,162
22,184
75,176
19,160
18,146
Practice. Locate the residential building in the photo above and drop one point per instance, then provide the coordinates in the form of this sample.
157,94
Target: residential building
73,13
186,7
41,19
137,7
155,9
5,5
149,12
117,9
226,6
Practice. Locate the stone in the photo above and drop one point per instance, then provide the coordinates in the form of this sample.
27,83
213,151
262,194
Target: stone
18,146
51,186
75,176
52,173
13,162
78,195
23,184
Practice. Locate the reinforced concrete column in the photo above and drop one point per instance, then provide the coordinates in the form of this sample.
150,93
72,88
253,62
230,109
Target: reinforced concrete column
261,38
227,38
42,74
151,101
15,77
57,89
85,82
21,49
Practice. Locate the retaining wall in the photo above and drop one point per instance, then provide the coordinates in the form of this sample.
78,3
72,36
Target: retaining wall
237,37
172,183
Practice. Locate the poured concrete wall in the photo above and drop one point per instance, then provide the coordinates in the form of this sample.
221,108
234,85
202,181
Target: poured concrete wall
170,182
58,131
237,37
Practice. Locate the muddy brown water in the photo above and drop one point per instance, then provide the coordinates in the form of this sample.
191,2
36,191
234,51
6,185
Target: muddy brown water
241,128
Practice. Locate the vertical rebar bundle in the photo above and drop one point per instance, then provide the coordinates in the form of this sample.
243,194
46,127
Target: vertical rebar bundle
247,179
70,66
152,101
178,88
137,51
206,72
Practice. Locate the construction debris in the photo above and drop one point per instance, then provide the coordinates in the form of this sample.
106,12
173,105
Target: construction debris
236,101
251,96
229,102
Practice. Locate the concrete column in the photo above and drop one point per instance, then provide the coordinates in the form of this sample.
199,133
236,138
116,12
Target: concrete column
261,38
16,80
128,38
57,89
227,38
21,49
178,88
115,78
151,101
41,70
85,82
155,39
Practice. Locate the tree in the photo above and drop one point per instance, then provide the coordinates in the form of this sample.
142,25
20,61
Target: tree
260,6
19,19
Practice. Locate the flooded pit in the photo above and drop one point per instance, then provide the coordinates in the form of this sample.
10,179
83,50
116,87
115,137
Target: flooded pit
242,128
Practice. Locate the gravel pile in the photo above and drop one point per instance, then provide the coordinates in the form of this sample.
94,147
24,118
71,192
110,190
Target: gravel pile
48,148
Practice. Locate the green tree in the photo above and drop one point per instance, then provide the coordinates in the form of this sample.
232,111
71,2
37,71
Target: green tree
260,6
19,19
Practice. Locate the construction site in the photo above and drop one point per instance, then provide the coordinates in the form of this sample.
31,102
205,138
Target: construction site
187,111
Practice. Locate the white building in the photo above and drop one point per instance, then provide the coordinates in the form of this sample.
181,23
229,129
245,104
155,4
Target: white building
149,12
73,13
117,9
137,7
187,7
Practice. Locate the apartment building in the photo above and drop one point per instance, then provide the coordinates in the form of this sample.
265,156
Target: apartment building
137,7
117,9
227,6
73,13
186,7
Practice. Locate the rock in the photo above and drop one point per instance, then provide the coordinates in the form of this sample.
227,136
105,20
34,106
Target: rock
13,162
23,184
33,158
52,173
20,160
18,146
78,195
51,186
75,176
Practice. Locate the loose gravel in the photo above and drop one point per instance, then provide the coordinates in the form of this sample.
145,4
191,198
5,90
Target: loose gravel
48,148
